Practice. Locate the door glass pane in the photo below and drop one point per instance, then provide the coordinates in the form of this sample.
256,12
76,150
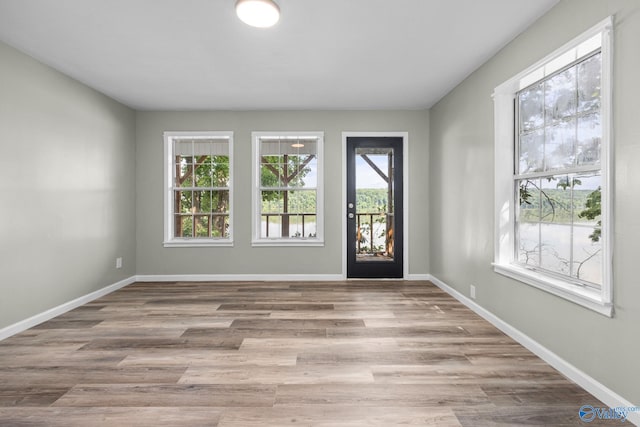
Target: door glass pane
374,205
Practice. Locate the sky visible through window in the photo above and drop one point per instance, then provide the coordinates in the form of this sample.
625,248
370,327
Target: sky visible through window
366,176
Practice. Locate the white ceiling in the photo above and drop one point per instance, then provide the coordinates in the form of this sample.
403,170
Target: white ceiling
323,54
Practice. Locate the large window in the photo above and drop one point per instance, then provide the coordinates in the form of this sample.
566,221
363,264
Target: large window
552,173
287,195
198,198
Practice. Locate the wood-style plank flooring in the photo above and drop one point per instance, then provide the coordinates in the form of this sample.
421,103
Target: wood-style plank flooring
357,353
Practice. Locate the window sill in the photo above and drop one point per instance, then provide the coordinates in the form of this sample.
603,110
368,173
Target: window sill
193,243
287,242
588,298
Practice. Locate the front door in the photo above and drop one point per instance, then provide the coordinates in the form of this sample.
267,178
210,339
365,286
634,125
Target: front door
374,207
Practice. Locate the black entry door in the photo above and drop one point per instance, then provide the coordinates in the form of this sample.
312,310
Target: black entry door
374,207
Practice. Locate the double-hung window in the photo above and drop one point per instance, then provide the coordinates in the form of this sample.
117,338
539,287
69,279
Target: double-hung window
553,172
287,194
198,188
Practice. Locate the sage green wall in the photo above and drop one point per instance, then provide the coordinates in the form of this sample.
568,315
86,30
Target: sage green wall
462,200
67,185
153,258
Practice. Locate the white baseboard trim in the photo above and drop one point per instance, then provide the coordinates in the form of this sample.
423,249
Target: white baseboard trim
255,277
599,390
417,277
32,321
238,277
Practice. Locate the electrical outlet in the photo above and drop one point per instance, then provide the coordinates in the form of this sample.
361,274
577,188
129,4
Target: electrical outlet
119,262
472,292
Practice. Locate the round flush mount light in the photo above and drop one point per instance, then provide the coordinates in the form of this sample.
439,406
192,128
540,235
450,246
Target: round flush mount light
258,13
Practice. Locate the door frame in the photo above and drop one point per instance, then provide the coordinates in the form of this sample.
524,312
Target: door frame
405,198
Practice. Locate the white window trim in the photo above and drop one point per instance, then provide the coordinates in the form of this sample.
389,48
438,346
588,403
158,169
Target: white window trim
169,240
504,95
257,200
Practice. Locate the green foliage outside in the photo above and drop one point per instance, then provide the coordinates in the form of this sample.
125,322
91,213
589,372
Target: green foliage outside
213,171
593,209
282,171
557,205
372,229
370,200
203,172
300,201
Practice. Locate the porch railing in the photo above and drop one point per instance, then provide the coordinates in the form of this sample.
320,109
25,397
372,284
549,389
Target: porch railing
367,235
286,219
385,219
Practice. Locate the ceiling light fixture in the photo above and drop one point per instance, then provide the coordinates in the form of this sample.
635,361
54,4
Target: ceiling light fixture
258,13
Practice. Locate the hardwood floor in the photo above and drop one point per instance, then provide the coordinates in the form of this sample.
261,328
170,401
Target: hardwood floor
361,353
